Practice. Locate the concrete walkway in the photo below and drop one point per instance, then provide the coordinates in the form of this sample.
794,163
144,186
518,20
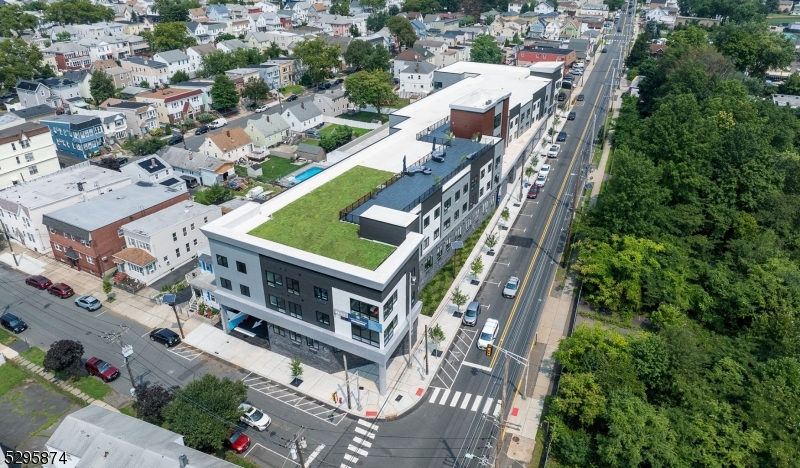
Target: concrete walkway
599,176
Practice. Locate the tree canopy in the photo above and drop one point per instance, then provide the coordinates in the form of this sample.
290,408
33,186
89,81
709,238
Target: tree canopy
20,60
64,356
363,55
179,77
76,12
174,10
168,36
373,88
224,93
14,20
401,28
255,90
101,85
317,58
486,50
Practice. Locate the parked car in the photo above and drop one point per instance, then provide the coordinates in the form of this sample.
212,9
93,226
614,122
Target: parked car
545,170
562,97
38,281
238,441
566,84
553,152
577,71
175,140
201,130
291,98
122,160
254,417
510,291
562,136
219,123
567,78
165,336
571,116
533,192
541,180
604,50
98,367
61,290
581,97
338,80
470,317
619,30
88,302
13,323
488,333
312,134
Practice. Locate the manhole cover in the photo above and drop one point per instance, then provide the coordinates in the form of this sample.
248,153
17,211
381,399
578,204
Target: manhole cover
515,439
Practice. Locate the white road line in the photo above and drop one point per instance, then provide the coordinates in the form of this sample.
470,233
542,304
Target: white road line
497,407
477,403
487,406
477,366
357,450
465,403
362,442
344,466
350,458
454,401
245,377
101,313
369,425
435,394
444,396
314,454
365,433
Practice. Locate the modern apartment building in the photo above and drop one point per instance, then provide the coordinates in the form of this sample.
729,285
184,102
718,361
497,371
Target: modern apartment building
334,266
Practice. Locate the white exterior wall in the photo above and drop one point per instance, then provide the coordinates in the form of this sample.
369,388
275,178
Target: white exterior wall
18,164
435,223
174,67
211,149
415,83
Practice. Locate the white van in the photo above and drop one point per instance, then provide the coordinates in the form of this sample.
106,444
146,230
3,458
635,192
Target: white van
219,123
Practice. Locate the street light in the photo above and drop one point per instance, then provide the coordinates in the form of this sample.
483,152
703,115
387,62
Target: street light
170,299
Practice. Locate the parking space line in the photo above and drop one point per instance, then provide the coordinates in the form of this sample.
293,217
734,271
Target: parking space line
297,401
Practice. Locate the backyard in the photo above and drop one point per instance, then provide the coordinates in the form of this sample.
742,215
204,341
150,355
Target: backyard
312,224
272,169
357,132
367,117
293,89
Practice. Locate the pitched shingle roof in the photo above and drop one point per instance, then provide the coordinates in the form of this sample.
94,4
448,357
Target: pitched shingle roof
230,139
172,56
304,112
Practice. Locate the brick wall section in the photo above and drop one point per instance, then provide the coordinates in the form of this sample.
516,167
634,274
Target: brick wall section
105,241
464,124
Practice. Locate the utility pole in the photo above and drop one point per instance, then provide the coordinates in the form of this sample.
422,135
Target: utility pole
347,382
180,327
502,424
127,352
296,446
170,299
8,239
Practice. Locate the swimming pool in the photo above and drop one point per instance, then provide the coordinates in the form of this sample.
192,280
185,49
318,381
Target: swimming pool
307,174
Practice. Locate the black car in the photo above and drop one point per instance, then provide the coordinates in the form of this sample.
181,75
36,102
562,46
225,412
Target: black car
581,97
13,323
619,30
338,80
562,136
201,130
562,97
175,140
571,116
604,50
166,336
291,98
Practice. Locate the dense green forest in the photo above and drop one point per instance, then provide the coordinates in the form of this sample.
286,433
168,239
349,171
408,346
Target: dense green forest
699,231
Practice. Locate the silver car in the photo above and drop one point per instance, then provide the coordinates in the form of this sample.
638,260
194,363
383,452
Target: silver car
471,314
510,291
88,302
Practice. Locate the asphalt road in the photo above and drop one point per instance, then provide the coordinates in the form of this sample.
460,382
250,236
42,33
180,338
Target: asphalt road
448,428
51,319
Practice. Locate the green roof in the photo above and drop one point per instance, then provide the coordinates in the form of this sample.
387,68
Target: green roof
311,223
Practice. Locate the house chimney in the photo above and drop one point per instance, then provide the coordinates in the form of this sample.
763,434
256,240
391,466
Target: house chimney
190,155
267,117
80,186
302,105
152,163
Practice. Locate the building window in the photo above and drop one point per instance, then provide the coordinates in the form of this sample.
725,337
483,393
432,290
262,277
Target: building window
245,290
429,262
388,306
175,237
57,247
465,189
321,293
436,213
278,330
295,310
312,343
188,249
52,231
293,286
455,215
436,234
447,224
464,207
323,318
240,267
273,279
364,310
192,226
365,335
184,231
457,195
194,242
225,283
296,337
178,253
389,331
221,261
277,303
426,242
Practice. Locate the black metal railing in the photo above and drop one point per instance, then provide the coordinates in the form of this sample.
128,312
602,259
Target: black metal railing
432,127
344,214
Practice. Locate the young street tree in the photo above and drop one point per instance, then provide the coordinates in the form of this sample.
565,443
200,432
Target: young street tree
401,28
458,298
370,89
151,401
317,58
223,92
179,77
255,90
486,50
436,334
202,411
101,85
476,268
63,355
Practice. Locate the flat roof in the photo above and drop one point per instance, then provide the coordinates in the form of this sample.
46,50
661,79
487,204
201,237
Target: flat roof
168,217
481,100
389,216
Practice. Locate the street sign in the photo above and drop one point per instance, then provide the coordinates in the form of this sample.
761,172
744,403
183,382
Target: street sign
168,299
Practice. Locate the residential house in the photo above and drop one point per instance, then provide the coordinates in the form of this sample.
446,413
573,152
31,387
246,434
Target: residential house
232,144
660,16
340,25
56,30
267,131
81,78
266,21
237,27
175,104
711,22
204,85
420,29
231,45
217,12
163,241
657,50
135,27
489,14
204,168
196,54
453,38
141,117
257,40
241,76
310,152
139,47
147,70
205,33
176,60
198,14
544,7
516,5
26,152
286,72
108,47
594,9
64,90
115,124
572,28
79,136
781,100
795,9
23,205
302,117
97,30
530,55
153,170
35,113
332,102
86,235
416,79
33,93
202,280
122,77
283,38
537,29
70,55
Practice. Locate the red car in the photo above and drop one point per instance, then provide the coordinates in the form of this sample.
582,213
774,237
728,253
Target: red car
533,192
61,290
238,441
38,281
102,369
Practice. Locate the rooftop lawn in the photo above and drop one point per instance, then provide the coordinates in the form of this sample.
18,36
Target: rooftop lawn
357,132
312,224
365,116
272,169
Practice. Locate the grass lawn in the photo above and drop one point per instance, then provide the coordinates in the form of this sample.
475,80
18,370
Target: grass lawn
312,224
34,355
7,338
310,141
293,89
128,410
367,117
237,460
357,132
401,103
272,169
433,292
10,377
91,386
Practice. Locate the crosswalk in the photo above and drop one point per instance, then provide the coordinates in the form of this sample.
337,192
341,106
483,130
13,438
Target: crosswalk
362,441
461,400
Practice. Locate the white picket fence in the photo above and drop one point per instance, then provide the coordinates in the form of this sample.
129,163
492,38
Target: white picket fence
350,123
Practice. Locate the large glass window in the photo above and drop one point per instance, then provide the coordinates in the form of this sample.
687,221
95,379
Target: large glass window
323,318
240,267
273,279
277,303
221,261
367,336
225,283
321,293
389,332
296,337
293,286
295,311
245,290
364,310
388,306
